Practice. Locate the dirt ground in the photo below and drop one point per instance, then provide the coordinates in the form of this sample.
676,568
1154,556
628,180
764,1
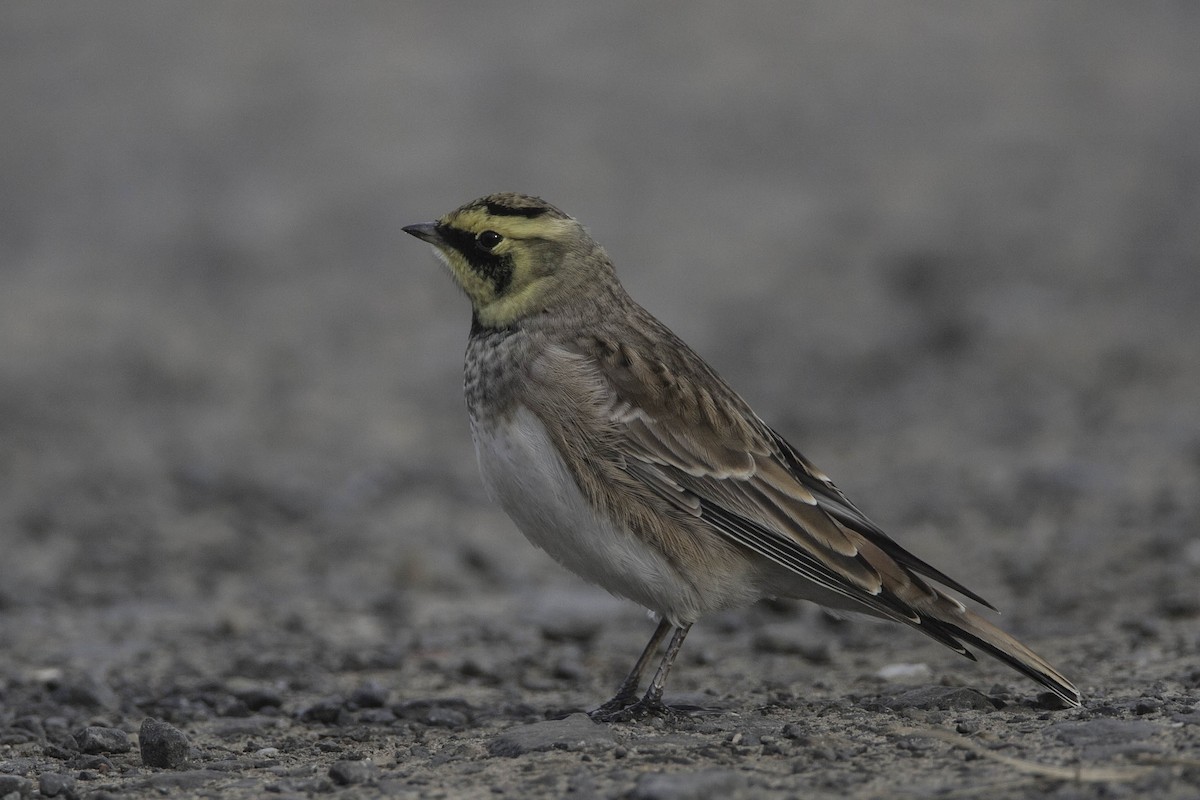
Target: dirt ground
950,251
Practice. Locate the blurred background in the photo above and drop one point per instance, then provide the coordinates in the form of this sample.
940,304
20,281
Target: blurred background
951,251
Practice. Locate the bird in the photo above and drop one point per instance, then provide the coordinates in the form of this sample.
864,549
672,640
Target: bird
621,453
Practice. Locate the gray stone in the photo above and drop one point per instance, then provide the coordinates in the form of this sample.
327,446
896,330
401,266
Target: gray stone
162,744
348,773
1104,731
54,784
94,739
15,784
326,711
33,725
376,716
443,713
576,732
258,698
703,785
1187,717
369,695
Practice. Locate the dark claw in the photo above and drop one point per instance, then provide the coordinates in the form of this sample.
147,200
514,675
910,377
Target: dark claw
608,711
646,709
639,709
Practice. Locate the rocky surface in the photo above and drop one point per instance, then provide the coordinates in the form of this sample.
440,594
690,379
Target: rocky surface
951,254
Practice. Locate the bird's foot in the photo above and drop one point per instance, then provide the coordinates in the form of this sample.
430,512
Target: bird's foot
614,709
627,709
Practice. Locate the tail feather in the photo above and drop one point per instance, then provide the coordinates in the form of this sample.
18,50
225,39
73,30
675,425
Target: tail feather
966,627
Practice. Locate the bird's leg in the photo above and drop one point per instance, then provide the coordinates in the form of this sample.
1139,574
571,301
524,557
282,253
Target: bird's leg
652,702
627,694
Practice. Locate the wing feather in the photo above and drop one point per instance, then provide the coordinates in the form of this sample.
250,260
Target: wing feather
692,440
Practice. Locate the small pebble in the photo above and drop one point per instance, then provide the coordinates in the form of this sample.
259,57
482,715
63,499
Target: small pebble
1052,701
162,744
1147,705
94,739
376,716
15,785
53,784
259,698
33,725
794,731
348,773
326,711
446,713
369,695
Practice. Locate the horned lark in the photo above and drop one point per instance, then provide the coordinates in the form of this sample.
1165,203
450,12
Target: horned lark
622,454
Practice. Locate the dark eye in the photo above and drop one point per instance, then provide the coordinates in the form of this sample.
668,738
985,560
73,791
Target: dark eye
489,239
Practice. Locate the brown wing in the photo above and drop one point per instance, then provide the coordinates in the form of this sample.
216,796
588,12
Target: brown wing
693,441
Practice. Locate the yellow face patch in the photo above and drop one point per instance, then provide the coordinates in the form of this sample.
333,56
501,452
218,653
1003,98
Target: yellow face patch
512,254
503,280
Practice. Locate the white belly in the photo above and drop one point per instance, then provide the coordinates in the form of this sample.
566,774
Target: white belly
525,475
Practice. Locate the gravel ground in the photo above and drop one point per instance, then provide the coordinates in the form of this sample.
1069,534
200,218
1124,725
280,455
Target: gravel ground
951,251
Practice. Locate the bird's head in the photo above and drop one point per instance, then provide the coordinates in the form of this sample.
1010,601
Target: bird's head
516,255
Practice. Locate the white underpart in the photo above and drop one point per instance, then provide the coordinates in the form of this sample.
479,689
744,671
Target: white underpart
524,473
